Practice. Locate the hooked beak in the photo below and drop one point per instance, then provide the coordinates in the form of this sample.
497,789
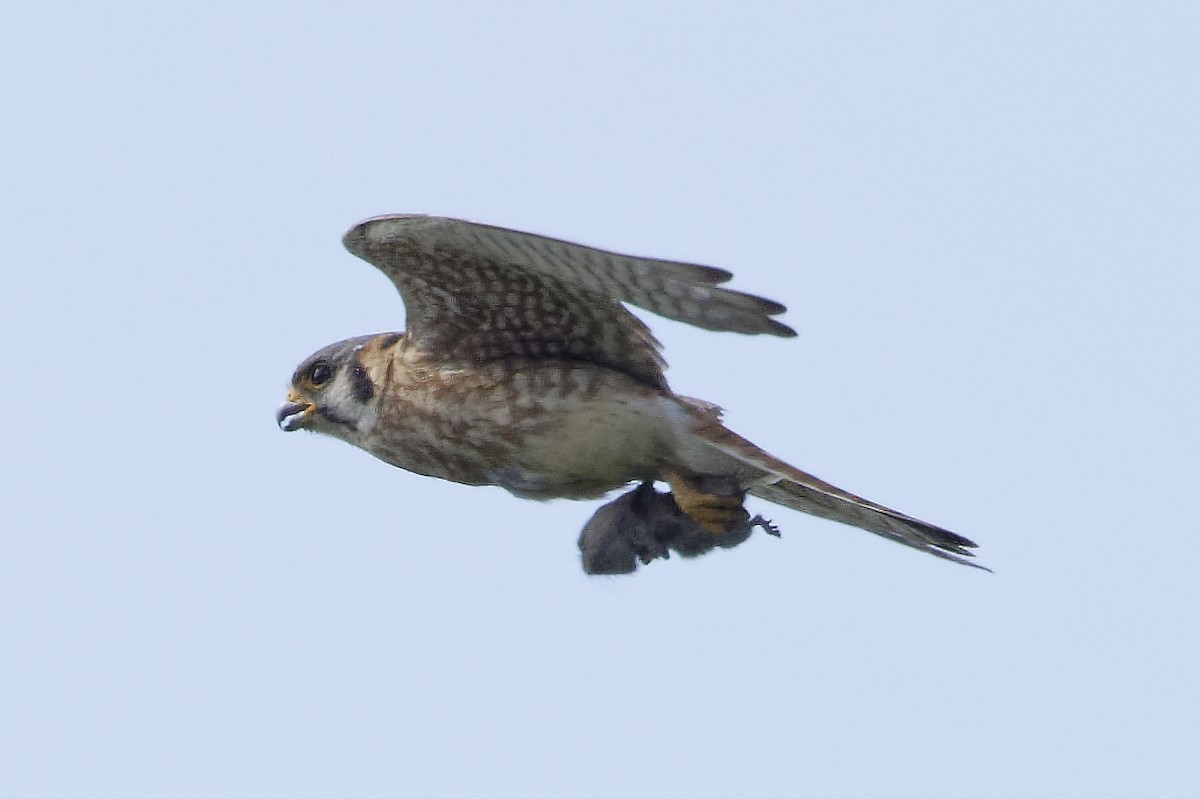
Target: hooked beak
294,413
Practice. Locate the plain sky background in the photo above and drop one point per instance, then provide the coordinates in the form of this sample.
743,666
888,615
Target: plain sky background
982,216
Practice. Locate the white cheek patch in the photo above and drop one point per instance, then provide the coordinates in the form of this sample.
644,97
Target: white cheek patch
340,401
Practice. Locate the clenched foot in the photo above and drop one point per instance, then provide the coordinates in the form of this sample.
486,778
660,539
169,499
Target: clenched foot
714,502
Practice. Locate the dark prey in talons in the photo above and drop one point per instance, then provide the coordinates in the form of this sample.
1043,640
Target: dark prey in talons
645,524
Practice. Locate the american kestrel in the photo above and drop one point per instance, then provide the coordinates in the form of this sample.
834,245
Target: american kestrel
521,368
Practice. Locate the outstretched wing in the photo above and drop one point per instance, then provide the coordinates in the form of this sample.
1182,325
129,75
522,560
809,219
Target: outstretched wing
477,293
785,485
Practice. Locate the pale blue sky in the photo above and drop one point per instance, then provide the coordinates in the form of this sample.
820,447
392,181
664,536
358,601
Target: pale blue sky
983,218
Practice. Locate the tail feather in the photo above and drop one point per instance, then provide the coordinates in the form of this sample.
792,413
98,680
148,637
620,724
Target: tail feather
890,524
785,485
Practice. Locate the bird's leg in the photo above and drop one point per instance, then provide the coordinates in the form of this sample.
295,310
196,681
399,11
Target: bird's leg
714,502
769,527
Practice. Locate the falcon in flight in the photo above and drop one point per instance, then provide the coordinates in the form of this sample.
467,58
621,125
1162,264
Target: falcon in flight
522,368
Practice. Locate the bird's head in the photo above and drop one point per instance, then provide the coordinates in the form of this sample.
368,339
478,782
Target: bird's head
336,390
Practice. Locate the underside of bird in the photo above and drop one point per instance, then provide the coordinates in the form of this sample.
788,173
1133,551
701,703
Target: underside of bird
705,509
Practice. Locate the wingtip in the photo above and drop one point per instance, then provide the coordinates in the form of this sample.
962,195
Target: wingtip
780,329
766,309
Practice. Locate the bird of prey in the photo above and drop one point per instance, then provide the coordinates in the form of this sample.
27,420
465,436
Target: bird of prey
522,368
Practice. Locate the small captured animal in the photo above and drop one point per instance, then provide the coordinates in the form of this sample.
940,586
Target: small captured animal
522,368
644,524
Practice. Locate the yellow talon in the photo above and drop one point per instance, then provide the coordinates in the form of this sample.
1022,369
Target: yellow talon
714,513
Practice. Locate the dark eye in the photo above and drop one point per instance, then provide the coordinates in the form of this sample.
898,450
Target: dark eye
319,373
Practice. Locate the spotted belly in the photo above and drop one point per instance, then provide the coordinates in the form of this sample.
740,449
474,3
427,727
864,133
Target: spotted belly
591,448
539,430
